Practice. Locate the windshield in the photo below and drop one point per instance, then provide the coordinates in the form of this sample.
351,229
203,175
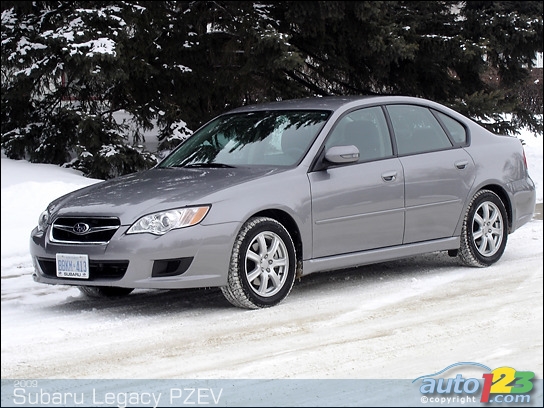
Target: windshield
274,138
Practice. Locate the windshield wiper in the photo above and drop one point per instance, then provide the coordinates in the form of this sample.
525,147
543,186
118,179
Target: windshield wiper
209,165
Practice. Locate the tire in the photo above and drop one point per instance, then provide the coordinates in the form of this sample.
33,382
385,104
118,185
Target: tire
262,265
104,291
485,230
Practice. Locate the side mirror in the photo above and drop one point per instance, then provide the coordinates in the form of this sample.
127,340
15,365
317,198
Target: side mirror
342,154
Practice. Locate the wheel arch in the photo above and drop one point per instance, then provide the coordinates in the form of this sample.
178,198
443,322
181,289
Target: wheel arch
503,195
290,225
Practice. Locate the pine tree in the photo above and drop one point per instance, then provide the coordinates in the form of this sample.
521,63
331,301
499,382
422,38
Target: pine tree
70,69
62,84
441,50
508,35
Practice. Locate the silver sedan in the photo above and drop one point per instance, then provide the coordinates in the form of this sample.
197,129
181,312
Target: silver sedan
265,194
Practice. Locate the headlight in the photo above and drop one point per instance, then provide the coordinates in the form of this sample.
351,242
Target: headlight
43,220
161,222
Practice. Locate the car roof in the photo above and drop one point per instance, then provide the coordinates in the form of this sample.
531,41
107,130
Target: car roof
330,103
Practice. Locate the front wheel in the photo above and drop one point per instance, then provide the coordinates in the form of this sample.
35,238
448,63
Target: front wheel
262,266
485,230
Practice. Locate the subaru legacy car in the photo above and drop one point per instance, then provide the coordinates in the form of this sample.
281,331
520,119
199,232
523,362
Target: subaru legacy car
262,195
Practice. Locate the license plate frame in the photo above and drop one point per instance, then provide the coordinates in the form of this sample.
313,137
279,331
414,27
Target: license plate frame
72,266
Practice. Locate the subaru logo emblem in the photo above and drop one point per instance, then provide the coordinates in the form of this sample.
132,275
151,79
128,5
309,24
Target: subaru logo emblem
81,228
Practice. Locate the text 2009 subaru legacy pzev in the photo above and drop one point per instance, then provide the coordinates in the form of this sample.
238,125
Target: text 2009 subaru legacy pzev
264,194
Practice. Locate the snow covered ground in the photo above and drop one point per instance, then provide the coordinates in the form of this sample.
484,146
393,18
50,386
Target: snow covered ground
394,320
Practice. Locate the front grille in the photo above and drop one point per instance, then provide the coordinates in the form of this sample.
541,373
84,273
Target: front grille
98,270
84,230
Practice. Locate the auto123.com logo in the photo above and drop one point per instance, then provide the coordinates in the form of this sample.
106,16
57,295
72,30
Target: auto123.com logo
501,385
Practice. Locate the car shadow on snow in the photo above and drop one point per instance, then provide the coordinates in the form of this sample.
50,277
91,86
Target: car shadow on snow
211,300
416,267
149,302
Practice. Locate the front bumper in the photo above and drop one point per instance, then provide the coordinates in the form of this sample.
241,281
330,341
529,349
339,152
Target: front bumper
192,257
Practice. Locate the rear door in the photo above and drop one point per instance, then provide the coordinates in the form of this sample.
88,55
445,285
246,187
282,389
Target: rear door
438,172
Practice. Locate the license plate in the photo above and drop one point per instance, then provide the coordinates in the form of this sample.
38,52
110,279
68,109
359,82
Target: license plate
72,266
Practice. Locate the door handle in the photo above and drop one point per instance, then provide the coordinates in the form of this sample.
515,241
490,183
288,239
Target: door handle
461,164
389,176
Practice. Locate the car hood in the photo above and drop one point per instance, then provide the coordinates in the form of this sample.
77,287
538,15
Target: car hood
131,196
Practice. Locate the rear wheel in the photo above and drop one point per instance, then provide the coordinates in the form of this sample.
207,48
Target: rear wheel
104,291
485,230
262,265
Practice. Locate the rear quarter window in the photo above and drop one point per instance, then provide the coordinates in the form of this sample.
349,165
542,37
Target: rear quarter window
456,130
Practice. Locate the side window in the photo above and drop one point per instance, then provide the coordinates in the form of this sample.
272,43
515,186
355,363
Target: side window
367,130
417,130
456,130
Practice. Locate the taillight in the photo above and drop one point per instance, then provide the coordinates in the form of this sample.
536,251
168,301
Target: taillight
524,158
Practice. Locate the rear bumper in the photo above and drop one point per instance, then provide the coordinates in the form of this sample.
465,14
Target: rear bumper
524,203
